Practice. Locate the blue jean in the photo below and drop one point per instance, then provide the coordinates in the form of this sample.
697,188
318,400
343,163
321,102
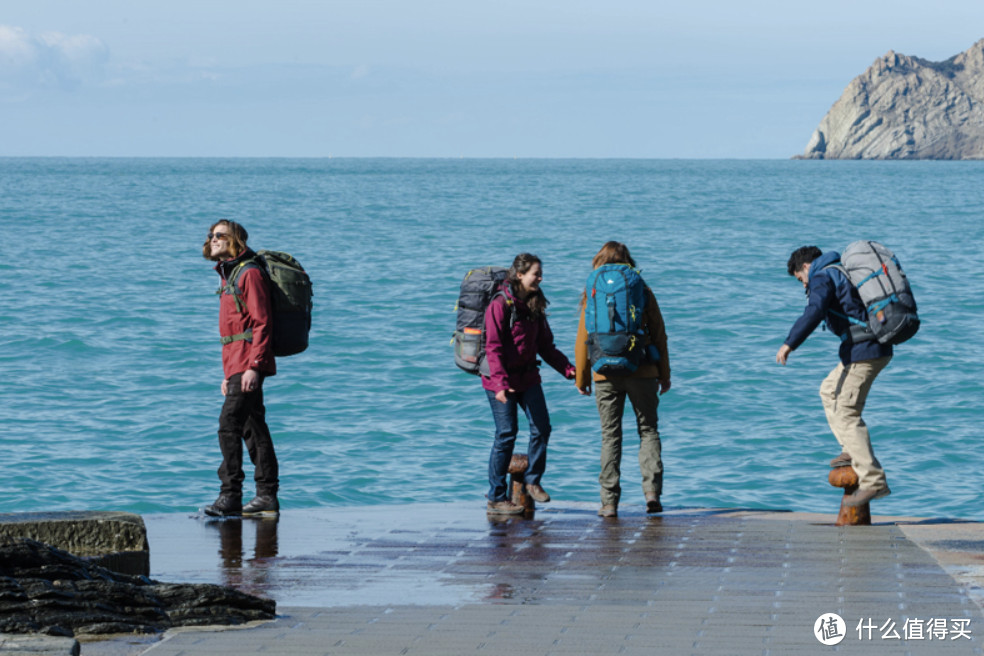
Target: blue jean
506,416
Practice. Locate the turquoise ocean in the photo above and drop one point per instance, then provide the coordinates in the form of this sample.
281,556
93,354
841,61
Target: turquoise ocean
110,361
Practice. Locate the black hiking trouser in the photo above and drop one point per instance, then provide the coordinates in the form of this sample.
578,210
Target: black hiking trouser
243,419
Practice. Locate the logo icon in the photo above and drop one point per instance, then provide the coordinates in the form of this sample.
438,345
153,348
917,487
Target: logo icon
830,628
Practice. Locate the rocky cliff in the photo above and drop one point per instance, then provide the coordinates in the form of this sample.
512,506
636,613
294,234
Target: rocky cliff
908,108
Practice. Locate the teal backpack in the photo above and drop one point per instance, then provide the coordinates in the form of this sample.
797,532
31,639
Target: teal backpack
290,298
614,316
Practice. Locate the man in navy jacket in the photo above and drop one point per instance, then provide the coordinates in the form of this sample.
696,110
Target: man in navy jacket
833,299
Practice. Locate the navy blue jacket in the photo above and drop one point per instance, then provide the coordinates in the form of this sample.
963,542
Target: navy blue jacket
830,291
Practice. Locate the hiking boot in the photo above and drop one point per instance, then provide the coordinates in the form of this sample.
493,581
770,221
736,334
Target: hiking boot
225,506
504,508
538,493
843,460
608,511
262,507
652,504
860,497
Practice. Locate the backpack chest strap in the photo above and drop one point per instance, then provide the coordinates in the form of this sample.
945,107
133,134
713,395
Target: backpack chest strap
245,335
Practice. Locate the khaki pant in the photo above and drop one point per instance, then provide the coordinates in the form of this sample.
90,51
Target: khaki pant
610,396
844,393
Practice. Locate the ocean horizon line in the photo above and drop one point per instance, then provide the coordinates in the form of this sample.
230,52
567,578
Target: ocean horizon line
487,158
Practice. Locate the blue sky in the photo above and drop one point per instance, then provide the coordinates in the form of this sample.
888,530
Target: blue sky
436,78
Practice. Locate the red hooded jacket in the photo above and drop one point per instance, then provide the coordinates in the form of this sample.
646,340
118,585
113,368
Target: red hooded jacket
511,353
256,315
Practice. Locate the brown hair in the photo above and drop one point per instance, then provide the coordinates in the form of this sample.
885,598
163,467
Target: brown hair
536,302
237,239
613,252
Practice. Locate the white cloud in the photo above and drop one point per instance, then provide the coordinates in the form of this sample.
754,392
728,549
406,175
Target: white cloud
49,60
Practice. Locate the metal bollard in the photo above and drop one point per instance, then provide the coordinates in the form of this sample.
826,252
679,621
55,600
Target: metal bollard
847,478
517,482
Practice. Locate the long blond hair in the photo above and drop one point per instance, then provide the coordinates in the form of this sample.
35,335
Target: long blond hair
613,252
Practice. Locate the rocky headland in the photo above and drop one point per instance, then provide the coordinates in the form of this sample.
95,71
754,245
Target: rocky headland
908,108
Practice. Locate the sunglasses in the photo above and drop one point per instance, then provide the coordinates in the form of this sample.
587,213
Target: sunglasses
217,235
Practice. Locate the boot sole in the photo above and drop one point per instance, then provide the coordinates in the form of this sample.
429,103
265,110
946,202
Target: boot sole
219,513
490,511
878,495
262,513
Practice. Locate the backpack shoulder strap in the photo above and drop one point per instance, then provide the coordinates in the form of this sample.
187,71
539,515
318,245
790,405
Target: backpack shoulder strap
509,304
859,329
232,287
841,270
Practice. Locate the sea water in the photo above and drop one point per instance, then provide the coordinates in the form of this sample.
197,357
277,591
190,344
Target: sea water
110,361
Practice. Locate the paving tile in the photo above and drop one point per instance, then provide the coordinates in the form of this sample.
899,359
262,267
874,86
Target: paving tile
447,581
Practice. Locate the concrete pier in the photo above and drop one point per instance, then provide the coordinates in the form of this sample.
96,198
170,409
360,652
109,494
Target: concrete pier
114,540
443,579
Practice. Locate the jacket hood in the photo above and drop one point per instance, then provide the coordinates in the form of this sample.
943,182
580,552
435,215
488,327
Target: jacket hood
824,260
224,267
507,289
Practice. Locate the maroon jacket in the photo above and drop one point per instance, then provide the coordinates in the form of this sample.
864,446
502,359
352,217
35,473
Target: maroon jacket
511,354
257,316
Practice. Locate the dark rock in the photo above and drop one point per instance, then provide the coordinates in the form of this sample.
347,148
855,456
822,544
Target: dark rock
46,590
55,630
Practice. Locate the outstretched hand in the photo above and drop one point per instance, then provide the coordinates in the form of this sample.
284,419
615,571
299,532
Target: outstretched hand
783,354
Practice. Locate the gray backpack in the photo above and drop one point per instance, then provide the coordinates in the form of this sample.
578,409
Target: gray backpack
478,289
884,289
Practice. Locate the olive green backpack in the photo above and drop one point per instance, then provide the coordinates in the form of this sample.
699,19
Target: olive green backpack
290,298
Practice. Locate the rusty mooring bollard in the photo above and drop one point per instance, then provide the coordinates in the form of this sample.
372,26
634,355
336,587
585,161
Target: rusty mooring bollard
847,478
517,481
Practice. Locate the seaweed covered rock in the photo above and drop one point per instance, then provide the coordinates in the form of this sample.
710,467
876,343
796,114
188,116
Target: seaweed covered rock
46,590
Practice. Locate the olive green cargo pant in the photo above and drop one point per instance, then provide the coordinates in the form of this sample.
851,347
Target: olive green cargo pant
610,396
844,393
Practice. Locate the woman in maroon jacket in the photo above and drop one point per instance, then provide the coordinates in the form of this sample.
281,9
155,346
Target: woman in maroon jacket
516,331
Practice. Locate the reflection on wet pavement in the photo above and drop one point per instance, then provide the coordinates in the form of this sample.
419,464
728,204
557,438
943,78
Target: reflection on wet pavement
446,580
231,551
423,554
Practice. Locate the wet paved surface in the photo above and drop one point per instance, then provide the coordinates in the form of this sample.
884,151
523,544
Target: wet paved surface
444,579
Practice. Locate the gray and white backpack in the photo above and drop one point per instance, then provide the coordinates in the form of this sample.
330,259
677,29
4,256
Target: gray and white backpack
478,289
884,289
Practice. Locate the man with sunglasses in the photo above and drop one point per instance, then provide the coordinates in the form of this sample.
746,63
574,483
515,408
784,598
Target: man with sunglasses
245,324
